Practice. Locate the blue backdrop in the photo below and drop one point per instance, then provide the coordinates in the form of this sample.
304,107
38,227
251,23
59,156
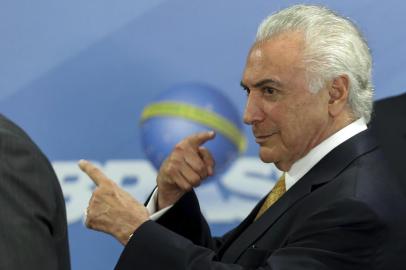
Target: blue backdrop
77,75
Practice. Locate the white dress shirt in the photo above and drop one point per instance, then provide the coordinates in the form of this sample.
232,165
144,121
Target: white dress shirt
299,168
303,165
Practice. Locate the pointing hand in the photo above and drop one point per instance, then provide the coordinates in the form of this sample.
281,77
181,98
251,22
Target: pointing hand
111,209
186,167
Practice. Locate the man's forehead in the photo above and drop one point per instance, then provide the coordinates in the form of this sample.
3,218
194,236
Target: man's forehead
256,51
281,50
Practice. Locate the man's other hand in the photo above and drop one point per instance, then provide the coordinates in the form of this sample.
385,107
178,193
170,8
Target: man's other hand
111,209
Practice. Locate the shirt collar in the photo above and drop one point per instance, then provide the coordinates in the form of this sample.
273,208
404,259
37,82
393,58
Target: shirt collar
303,165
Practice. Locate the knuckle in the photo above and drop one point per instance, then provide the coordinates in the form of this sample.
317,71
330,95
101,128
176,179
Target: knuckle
109,185
171,169
203,174
212,162
89,223
173,160
197,183
192,179
97,192
179,146
201,167
201,170
209,159
195,180
186,186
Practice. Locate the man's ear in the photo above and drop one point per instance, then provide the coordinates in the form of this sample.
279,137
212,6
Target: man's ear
338,94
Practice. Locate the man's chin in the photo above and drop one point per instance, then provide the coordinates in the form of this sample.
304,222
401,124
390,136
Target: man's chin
266,156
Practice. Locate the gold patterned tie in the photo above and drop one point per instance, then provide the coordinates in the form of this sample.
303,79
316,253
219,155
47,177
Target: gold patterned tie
277,191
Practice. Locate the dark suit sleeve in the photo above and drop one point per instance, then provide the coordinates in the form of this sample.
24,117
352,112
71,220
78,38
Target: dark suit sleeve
32,212
186,219
336,237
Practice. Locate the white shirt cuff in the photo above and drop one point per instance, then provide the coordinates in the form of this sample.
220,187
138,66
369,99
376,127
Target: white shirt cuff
151,207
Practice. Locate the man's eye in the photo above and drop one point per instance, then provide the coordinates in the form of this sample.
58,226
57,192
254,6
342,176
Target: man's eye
246,90
269,90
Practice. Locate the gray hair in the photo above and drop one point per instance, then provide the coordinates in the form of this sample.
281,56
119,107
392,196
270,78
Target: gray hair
333,47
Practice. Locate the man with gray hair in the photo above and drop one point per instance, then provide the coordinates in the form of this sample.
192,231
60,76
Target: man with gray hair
336,206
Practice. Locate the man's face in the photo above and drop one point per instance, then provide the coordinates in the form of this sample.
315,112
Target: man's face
287,119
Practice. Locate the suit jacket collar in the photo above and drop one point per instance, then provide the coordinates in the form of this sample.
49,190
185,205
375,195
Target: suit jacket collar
327,169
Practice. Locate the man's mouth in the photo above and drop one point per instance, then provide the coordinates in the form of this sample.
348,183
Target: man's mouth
260,139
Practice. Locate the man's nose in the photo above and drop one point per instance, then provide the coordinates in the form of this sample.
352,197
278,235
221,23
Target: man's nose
253,109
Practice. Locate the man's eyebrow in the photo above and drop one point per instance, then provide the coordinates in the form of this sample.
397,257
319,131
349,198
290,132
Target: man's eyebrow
267,81
262,83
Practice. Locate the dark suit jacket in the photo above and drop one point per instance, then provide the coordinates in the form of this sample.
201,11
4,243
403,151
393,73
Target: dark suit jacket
347,212
389,126
33,228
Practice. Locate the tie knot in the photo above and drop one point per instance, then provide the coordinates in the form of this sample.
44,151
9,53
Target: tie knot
277,191
280,186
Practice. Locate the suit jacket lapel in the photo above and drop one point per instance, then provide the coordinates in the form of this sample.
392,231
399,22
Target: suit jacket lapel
323,172
254,230
241,227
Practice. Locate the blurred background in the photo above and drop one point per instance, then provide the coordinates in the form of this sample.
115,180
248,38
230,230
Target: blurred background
76,75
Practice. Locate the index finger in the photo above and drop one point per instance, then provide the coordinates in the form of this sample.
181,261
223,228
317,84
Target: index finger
200,138
97,176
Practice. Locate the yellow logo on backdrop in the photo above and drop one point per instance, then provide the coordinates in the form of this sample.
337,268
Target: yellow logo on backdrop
199,115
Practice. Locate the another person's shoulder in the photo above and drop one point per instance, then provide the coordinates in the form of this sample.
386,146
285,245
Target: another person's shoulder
389,127
392,99
389,116
394,106
10,131
15,141
9,128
